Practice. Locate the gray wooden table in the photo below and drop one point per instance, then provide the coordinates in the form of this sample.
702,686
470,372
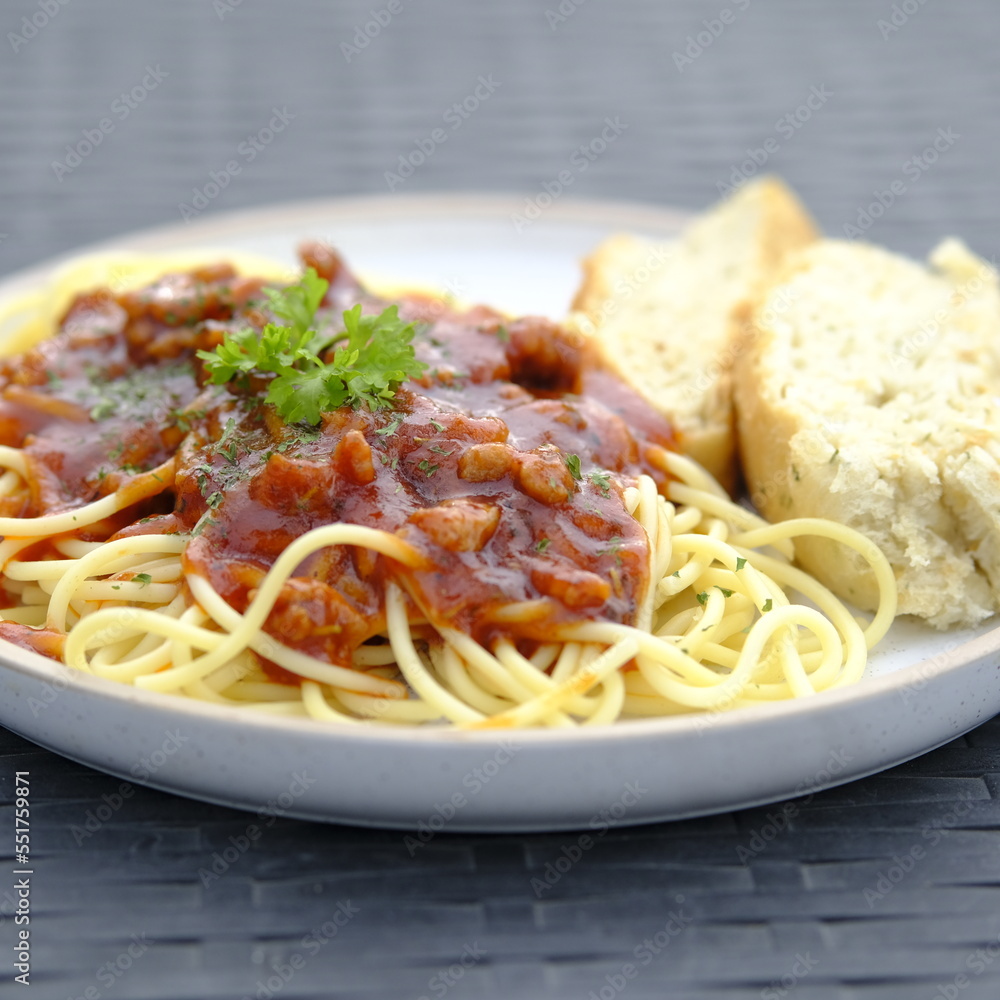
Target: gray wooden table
115,116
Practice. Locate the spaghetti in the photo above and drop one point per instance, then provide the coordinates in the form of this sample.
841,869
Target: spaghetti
517,543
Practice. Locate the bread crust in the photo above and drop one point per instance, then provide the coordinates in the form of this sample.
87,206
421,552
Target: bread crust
876,413
675,334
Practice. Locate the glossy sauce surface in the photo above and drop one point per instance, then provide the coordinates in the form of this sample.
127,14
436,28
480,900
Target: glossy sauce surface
504,464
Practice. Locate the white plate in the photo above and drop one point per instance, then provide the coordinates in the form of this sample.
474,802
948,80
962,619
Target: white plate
921,690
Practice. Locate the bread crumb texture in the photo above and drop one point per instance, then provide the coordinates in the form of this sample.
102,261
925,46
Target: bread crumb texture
664,312
868,392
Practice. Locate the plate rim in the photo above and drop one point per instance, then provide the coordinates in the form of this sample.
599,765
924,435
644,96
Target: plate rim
37,667
623,215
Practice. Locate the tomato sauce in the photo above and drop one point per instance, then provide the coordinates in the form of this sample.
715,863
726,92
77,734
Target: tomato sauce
504,464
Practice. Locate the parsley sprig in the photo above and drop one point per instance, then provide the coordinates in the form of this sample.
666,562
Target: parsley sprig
373,355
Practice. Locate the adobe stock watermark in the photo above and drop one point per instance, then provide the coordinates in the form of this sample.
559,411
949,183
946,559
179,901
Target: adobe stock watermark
445,979
644,953
31,26
50,691
902,865
366,33
712,29
912,170
111,972
778,303
627,285
899,16
928,670
267,816
143,770
977,963
786,127
118,111
473,782
800,968
601,822
455,116
561,14
223,8
452,291
246,152
779,820
929,329
579,161
282,973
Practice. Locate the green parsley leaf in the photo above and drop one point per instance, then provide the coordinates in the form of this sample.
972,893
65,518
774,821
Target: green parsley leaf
227,432
703,598
143,578
573,464
602,481
740,563
184,418
427,468
103,409
303,396
372,356
543,544
613,548
767,605
298,303
390,428
725,593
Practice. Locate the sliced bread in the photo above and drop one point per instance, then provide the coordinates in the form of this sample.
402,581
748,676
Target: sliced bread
868,391
663,311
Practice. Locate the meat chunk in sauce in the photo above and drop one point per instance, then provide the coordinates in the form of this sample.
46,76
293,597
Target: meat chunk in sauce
504,464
